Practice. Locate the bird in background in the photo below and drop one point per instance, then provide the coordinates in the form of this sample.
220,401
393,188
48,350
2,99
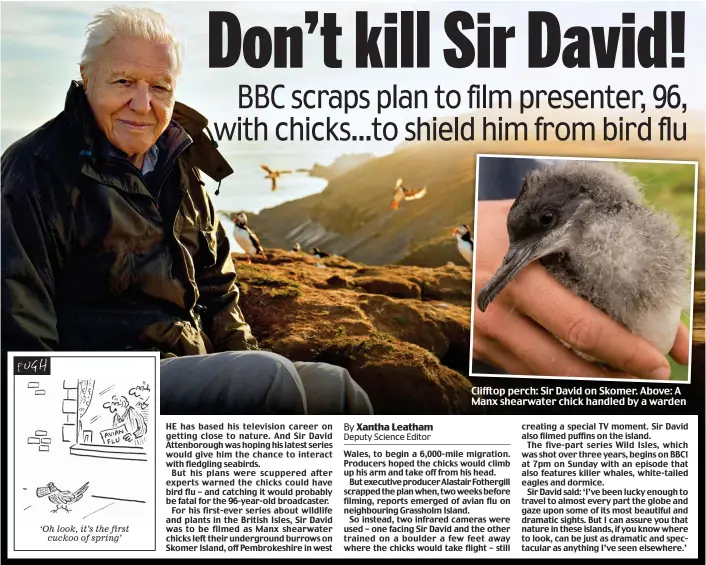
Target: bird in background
401,193
273,175
588,224
464,242
316,252
62,498
246,238
297,247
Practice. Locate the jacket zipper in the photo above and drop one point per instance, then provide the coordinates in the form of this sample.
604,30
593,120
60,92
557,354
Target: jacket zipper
169,165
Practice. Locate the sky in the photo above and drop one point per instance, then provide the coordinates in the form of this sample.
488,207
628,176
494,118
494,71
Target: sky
41,44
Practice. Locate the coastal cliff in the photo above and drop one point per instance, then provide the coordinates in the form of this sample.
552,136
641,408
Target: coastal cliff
402,332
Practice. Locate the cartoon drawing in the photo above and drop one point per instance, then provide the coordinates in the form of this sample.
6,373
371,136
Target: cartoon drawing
84,453
125,419
138,392
127,406
62,498
84,395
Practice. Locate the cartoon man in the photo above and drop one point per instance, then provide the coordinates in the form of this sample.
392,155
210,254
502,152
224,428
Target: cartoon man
126,414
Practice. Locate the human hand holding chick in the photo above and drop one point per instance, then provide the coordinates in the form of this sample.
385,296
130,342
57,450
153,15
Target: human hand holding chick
517,333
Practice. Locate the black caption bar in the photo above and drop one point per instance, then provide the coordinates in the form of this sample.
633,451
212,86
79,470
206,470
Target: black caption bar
32,365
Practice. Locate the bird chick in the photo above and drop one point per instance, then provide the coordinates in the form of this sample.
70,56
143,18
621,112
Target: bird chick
246,238
587,223
464,242
401,193
316,252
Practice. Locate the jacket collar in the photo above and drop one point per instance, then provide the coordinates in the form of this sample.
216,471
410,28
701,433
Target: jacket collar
203,154
186,128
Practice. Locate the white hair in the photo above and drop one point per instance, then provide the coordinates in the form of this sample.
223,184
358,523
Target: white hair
128,21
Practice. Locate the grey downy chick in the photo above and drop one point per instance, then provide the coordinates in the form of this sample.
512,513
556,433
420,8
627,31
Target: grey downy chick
587,223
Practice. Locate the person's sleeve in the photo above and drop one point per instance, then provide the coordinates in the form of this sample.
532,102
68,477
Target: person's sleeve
223,321
139,424
32,250
500,178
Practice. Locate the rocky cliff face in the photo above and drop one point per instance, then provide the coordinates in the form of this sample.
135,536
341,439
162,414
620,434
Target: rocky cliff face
352,216
402,332
409,368
340,166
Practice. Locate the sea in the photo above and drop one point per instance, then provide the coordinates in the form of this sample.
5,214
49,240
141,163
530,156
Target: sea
247,189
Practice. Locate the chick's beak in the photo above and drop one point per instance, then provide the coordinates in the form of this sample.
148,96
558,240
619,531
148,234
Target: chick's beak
518,257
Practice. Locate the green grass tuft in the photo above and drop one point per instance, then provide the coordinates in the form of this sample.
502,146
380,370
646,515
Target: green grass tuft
271,285
668,187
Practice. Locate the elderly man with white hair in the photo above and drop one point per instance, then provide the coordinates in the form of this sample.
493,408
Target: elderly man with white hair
111,242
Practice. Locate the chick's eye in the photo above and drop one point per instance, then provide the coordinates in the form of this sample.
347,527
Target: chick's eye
546,218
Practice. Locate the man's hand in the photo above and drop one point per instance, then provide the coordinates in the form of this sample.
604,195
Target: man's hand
516,333
128,437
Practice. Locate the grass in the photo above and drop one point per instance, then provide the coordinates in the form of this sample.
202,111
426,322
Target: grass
670,187
401,320
343,346
273,286
680,372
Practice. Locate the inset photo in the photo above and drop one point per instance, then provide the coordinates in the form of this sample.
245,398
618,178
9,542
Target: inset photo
583,268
